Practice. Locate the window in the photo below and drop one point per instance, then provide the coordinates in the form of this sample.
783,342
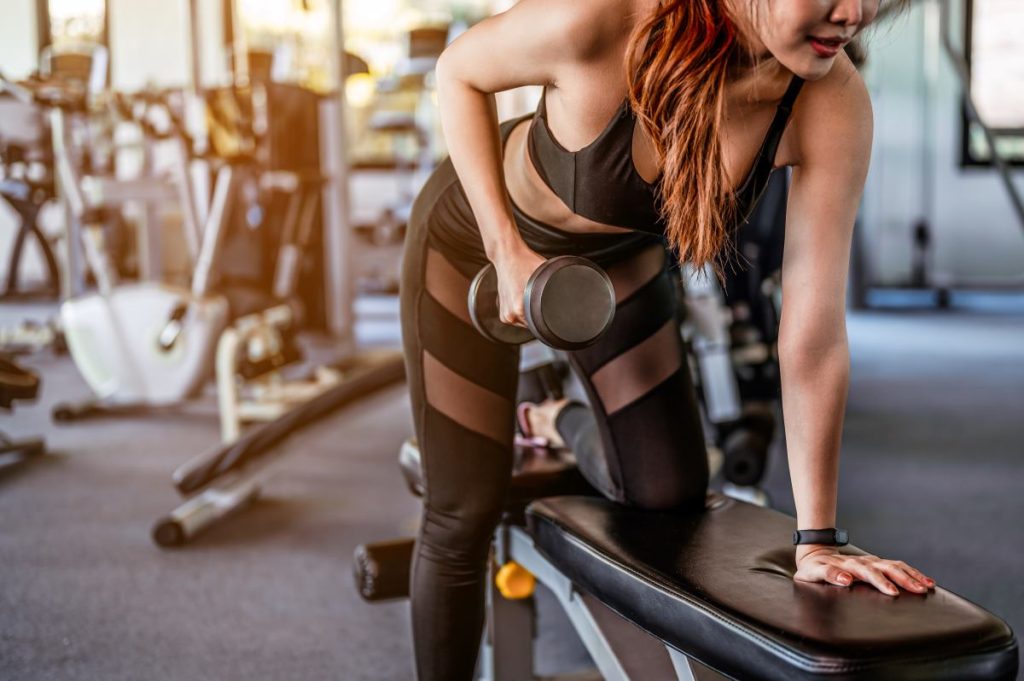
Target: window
76,22
995,54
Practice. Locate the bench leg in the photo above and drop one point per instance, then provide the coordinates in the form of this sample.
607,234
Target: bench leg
691,670
620,650
522,551
507,652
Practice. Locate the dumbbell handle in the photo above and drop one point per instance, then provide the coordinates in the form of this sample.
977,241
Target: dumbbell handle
569,303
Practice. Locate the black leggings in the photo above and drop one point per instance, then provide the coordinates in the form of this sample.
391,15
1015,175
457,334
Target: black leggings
463,390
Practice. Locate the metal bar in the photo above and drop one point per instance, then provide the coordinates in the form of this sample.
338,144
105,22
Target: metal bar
507,653
681,663
239,47
523,551
70,195
202,511
100,190
963,73
213,231
190,8
337,237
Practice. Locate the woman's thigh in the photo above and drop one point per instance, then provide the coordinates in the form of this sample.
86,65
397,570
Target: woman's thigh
639,384
462,386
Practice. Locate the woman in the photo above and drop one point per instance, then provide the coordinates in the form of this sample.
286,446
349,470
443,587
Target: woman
675,113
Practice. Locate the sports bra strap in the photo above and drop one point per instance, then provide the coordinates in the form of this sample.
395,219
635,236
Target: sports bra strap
789,98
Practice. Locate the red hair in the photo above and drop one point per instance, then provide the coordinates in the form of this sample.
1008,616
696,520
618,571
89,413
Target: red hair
676,83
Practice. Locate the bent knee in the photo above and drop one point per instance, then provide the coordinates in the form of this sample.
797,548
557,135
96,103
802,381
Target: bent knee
686,492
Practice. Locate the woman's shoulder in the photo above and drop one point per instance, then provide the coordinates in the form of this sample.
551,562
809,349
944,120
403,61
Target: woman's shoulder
833,113
534,42
592,28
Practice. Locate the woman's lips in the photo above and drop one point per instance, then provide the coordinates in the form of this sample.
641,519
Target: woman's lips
826,47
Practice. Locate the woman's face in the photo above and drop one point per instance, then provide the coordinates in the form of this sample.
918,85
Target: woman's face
806,36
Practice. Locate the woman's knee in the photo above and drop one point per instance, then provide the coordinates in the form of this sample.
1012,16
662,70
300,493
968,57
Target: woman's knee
458,538
684,489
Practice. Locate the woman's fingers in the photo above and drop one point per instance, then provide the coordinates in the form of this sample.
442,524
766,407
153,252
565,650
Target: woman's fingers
513,313
872,575
902,577
838,576
915,573
514,317
884,575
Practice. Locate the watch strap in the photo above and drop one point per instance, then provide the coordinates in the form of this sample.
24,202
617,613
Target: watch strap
828,536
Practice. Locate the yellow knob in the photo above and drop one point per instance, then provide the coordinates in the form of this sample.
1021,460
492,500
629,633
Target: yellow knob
514,581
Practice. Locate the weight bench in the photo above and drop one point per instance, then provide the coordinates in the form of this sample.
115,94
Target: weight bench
709,594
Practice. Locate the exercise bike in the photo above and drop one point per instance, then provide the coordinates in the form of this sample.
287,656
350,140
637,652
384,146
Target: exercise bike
138,344
151,344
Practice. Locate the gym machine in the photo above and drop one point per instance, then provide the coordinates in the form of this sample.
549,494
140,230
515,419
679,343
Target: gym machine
219,482
143,345
732,334
26,184
17,384
148,343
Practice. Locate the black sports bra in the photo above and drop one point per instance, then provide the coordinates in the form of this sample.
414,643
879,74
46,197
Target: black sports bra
600,182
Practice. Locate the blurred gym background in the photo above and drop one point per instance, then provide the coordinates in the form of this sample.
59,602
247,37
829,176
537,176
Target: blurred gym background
201,225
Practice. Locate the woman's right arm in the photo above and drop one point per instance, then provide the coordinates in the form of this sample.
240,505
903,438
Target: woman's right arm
530,44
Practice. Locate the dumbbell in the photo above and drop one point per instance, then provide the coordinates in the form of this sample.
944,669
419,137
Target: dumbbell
569,303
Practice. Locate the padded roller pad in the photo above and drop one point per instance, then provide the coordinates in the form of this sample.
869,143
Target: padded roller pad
717,585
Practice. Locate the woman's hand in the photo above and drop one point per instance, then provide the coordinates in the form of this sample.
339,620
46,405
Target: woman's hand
514,267
826,564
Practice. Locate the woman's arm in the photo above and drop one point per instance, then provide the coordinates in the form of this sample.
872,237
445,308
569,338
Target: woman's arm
832,134
532,43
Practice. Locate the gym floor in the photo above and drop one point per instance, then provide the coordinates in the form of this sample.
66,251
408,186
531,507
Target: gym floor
931,473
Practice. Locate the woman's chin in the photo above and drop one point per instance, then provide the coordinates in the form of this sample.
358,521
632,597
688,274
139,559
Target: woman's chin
810,68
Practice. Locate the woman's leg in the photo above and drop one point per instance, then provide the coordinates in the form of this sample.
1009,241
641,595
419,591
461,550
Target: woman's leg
463,389
652,451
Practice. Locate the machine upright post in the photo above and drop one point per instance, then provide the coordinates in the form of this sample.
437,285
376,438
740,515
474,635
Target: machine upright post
337,235
70,196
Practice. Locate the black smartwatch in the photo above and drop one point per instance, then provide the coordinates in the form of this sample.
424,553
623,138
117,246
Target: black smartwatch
829,536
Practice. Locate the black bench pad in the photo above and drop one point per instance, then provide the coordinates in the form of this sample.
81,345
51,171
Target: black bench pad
717,584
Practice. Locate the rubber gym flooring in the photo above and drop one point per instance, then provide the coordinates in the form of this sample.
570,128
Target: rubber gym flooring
932,473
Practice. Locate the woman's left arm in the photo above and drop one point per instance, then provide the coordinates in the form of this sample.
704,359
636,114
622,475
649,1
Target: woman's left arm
831,140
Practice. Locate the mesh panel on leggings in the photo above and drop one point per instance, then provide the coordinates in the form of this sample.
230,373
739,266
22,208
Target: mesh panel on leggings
638,370
447,285
641,391
464,402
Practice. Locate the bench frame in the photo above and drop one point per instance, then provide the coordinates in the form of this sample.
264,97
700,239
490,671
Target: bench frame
507,650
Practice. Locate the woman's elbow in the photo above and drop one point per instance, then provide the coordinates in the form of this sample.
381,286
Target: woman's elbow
813,349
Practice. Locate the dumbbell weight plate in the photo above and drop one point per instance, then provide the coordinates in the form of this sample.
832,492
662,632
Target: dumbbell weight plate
483,310
575,305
